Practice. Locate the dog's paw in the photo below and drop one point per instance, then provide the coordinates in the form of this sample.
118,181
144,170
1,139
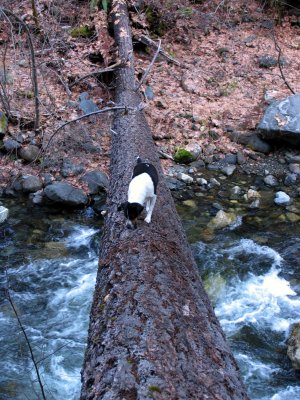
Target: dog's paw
148,220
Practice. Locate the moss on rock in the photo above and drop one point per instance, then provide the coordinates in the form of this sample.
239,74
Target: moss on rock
183,156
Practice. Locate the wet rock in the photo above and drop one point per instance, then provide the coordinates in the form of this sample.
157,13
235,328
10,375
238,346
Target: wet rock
295,168
293,350
70,169
11,145
213,183
292,217
3,214
270,180
255,204
291,159
31,183
185,178
222,220
281,121
235,192
282,199
228,170
66,194
174,184
252,194
37,197
201,181
97,181
29,153
290,179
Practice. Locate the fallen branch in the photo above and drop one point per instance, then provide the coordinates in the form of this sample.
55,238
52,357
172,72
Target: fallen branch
278,49
10,14
149,67
149,42
107,109
111,68
27,342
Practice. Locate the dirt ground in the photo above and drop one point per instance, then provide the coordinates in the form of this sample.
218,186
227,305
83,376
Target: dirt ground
218,82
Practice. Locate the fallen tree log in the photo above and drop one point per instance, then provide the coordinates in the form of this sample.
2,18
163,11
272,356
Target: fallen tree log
153,332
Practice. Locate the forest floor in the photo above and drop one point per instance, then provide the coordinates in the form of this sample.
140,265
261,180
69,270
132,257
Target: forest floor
219,83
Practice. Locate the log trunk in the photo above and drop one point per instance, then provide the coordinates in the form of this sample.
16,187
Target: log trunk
153,332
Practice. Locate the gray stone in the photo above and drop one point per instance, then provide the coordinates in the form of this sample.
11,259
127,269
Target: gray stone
281,121
267,61
282,199
241,159
228,170
174,184
66,194
251,140
295,169
230,159
255,204
11,145
3,214
29,153
199,164
97,181
31,183
213,183
185,178
201,181
270,180
70,169
86,105
293,350
290,179
37,197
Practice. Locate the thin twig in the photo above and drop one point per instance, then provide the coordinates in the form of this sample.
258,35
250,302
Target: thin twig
149,66
28,343
107,109
278,48
111,68
149,42
33,66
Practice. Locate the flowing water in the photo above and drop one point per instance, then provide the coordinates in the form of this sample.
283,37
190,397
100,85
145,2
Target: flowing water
48,262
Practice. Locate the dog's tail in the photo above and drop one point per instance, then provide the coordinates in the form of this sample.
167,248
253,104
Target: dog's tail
138,160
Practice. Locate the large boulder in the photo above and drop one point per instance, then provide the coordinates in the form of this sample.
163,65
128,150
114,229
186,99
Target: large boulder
66,194
281,121
293,350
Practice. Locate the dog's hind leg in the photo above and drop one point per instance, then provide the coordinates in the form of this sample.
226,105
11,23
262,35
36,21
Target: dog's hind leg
150,209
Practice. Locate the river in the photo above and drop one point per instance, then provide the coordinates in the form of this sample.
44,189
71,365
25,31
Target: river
48,261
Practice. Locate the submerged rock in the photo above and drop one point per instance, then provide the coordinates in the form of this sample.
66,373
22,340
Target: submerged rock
221,220
293,350
282,199
3,214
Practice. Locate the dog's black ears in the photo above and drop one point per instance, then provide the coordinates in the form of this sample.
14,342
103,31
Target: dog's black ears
123,206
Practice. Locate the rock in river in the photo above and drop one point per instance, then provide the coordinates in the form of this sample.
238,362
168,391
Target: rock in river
293,350
64,193
3,214
282,199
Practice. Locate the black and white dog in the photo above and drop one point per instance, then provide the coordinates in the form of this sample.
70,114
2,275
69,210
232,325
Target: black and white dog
141,193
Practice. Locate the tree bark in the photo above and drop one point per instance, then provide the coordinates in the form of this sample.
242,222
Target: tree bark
153,332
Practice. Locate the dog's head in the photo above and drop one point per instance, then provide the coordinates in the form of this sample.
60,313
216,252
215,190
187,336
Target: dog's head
131,212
